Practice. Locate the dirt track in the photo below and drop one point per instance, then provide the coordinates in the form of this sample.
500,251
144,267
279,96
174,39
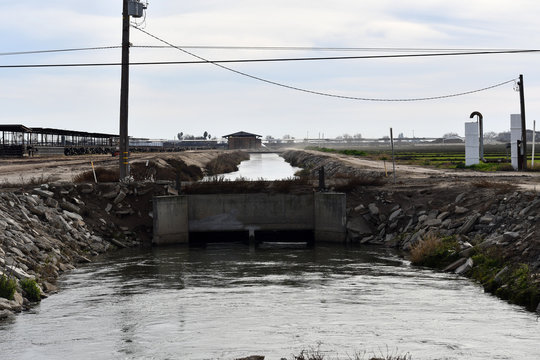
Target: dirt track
417,175
63,168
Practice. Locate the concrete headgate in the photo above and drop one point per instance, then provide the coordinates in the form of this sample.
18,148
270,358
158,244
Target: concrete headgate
177,218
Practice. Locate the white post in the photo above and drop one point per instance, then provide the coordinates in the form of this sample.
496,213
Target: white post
472,142
534,135
515,135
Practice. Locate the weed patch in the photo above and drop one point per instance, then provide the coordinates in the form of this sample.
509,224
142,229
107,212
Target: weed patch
7,287
435,251
31,289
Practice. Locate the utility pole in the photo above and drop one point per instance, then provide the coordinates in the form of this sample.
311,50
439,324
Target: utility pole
124,92
136,9
523,124
393,158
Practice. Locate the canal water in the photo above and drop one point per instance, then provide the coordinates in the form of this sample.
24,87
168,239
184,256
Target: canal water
227,301
267,166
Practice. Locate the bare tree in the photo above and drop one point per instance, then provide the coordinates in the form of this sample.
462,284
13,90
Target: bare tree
450,135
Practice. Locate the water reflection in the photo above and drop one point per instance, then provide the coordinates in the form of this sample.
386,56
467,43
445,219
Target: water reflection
267,166
226,301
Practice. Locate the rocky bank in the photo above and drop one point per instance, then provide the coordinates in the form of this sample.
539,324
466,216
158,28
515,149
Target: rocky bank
485,219
50,228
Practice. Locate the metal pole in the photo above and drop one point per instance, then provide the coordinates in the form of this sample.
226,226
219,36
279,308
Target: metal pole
393,158
523,124
533,140
124,90
481,132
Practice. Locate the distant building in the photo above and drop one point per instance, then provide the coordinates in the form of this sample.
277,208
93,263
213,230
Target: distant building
243,140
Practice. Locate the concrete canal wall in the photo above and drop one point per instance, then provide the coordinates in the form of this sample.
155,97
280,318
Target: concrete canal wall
175,217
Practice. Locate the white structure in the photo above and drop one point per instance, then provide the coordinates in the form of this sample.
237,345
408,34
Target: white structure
472,144
515,135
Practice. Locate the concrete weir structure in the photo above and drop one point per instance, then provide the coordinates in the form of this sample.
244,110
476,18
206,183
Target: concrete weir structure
184,218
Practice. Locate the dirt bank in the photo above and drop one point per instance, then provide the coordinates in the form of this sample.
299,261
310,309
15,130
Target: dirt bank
65,168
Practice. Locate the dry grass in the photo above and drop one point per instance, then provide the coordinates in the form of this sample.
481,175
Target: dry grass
219,185
23,182
102,174
316,354
144,171
425,248
348,182
489,184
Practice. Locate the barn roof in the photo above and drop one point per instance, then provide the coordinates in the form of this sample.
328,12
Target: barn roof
15,128
241,134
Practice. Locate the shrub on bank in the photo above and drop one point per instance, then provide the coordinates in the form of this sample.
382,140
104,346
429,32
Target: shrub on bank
7,287
435,251
31,289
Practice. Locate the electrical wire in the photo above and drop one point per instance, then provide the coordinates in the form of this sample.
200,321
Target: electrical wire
59,50
319,92
430,51
205,61
353,49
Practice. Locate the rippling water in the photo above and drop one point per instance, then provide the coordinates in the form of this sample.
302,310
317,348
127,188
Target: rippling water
226,301
268,166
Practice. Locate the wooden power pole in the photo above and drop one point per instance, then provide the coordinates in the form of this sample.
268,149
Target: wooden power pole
124,95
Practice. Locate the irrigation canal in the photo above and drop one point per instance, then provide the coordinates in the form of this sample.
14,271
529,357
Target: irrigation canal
227,300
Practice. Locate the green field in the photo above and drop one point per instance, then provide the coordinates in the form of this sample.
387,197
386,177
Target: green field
497,157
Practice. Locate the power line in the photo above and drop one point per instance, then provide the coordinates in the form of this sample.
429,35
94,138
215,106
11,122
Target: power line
312,48
318,92
205,61
464,51
460,52
58,50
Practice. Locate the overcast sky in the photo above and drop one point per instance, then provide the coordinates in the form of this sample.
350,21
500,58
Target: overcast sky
167,99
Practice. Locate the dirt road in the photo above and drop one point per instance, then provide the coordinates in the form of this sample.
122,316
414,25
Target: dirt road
419,174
